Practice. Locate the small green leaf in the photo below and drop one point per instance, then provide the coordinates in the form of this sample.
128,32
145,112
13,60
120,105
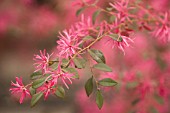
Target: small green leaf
32,91
72,70
116,37
60,92
159,99
89,86
54,66
36,98
153,110
134,102
97,55
80,10
162,64
112,18
35,75
102,67
109,8
107,82
131,85
99,99
94,16
79,62
88,38
65,62
37,83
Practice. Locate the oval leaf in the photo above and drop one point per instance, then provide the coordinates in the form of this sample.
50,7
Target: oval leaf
32,91
99,99
36,98
97,55
79,62
94,16
35,75
72,70
107,82
112,18
102,67
89,86
79,11
90,38
116,37
60,92
37,83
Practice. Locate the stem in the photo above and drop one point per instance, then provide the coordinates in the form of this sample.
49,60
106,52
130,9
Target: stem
28,84
91,69
97,85
84,49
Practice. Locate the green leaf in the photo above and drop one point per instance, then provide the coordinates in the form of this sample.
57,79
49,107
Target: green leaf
97,55
32,91
131,85
134,102
107,82
116,37
94,16
72,70
162,64
153,110
88,38
35,75
60,92
159,99
102,67
80,10
37,83
65,62
109,8
36,98
54,66
99,99
79,62
112,18
89,86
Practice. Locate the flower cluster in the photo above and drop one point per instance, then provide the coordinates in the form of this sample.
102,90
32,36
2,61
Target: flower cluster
117,24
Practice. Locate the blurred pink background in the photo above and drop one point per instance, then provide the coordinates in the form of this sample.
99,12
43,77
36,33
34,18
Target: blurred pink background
26,26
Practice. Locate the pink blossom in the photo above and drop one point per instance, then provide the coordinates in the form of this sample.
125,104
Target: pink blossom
122,8
19,88
68,44
56,74
104,27
42,61
83,27
162,32
122,42
47,88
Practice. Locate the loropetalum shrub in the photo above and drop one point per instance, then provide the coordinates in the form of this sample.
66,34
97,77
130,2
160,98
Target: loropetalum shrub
116,24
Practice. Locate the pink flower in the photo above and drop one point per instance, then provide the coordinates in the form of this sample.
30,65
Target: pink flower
83,27
47,88
68,44
42,61
19,88
122,8
122,42
60,74
146,88
104,27
163,32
